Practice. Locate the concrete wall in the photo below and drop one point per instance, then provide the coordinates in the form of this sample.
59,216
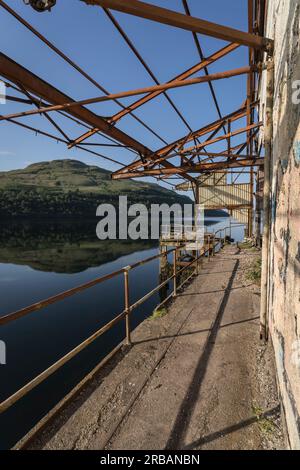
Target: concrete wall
283,25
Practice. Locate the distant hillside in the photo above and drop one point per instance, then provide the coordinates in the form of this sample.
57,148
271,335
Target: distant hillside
72,175
72,188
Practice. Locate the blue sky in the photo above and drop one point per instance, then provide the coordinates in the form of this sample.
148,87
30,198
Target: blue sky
87,36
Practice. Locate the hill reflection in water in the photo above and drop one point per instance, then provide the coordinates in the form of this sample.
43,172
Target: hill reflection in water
66,247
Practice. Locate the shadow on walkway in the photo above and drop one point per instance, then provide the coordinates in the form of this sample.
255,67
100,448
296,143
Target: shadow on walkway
215,291
235,427
195,331
188,404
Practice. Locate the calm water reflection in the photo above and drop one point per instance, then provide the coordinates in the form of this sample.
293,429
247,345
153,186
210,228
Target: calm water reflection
38,260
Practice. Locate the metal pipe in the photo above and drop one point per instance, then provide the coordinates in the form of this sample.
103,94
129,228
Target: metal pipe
145,65
258,210
57,365
234,116
72,64
250,114
175,272
179,20
213,126
201,54
194,168
126,94
127,305
191,71
34,84
75,290
223,137
268,137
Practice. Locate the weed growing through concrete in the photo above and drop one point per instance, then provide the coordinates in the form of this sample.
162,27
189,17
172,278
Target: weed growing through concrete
159,313
254,272
266,425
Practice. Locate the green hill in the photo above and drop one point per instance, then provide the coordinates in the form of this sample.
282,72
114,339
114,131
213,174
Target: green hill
70,175
70,188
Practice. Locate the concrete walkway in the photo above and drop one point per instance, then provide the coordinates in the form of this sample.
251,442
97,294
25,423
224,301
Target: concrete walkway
191,380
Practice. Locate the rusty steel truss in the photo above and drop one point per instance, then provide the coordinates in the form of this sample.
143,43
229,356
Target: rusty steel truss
189,156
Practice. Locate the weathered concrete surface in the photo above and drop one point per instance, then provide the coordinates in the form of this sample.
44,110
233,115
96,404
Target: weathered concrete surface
194,379
283,24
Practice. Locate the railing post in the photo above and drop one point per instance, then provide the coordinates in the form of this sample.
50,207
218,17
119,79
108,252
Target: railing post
268,135
208,238
127,305
175,271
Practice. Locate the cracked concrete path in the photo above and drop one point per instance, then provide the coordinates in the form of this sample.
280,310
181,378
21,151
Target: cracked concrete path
201,395
189,382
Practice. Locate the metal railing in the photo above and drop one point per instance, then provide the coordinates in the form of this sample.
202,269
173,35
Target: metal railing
188,232
125,314
179,232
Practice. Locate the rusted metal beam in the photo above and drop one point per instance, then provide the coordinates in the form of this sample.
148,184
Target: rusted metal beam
126,94
72,63
49,118
250,117
37,131
223,137
83,137
145,65
59,139
268,135
18,74
234,116
223,155
179,20
183,76
213,127
17,100
200,52
210,155
196,168
150,96
54,137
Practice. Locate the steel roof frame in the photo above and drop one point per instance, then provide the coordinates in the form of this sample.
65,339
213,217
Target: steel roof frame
46,98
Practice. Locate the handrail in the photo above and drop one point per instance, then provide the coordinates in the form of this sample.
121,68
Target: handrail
61,296
11,400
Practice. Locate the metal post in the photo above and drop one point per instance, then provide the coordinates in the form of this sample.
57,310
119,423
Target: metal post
175,272
127,306
258,211
208,238
268,135
250,115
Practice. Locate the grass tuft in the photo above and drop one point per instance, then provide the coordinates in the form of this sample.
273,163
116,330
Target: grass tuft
266,425
159,313
246,245
254,272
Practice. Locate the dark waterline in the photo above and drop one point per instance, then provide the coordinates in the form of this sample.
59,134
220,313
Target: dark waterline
41,260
